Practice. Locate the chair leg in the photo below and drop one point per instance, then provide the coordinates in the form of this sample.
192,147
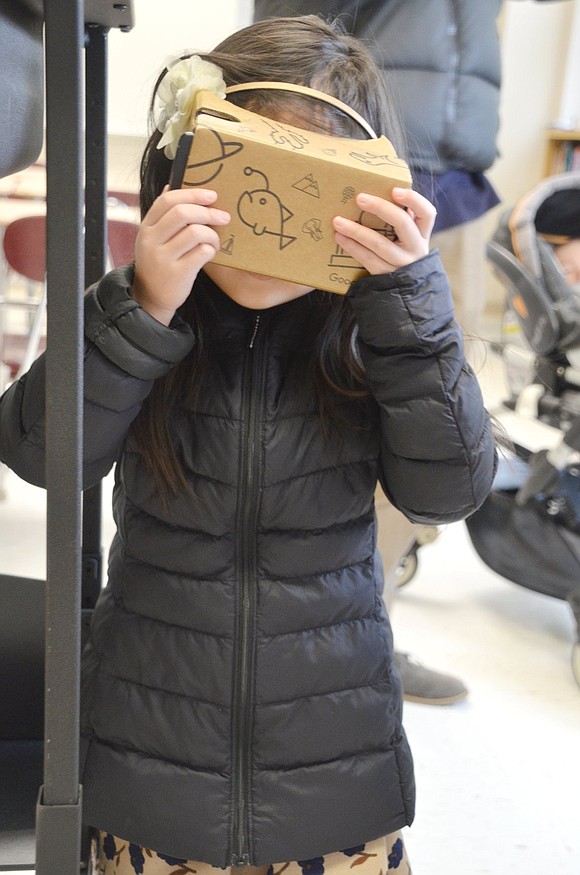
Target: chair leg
3,490
34,336
4,378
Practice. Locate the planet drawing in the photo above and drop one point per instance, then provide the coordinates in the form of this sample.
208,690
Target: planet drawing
201,172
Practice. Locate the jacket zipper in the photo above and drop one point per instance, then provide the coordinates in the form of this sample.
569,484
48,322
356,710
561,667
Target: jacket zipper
248,502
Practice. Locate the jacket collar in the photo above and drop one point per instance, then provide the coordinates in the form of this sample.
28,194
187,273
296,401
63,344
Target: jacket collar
290,319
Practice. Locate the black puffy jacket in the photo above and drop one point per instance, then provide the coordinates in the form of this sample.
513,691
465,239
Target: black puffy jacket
239,699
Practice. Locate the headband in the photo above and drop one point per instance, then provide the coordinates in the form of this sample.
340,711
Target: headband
186,77
307,92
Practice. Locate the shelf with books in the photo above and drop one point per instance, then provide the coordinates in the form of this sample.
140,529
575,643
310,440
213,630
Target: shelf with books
563,152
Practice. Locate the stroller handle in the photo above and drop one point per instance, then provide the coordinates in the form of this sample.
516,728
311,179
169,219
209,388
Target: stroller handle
531,304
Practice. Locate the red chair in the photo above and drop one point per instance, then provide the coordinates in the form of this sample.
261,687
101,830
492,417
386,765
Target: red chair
127,198
121,241
24,245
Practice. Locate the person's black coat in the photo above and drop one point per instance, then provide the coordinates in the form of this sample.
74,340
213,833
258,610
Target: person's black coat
239,698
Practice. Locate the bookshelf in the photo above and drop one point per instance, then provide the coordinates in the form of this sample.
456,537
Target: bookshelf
563,151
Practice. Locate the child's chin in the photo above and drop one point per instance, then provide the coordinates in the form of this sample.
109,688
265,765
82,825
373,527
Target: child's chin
260,277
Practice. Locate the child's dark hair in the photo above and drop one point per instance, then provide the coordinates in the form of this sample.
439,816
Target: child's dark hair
304,50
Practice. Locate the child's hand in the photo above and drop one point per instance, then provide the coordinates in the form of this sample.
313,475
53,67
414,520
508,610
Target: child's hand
175,240
412,225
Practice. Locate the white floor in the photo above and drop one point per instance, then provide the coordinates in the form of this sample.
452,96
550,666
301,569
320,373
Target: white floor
499,774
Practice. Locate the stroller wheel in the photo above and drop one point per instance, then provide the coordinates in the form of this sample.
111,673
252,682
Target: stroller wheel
427,535
576,662
407,567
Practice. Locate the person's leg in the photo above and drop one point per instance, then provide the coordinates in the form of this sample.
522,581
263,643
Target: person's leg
394,538
378,857
462,251
115,856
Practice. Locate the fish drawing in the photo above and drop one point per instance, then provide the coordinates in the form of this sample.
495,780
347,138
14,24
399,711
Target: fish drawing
263,211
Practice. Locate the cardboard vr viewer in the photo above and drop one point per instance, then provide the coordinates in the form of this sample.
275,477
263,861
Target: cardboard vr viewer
282,186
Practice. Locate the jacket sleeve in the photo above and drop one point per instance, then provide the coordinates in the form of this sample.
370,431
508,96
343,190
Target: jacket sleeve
125,351
438,454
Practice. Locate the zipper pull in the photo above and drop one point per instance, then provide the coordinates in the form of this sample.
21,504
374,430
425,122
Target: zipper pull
253,337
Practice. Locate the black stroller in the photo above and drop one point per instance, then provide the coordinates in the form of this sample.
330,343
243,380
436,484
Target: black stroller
528,530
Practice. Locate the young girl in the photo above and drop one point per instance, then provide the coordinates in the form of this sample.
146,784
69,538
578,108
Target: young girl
240,706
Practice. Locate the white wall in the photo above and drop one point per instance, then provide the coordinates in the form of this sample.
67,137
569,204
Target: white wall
570,99
162,29
535,39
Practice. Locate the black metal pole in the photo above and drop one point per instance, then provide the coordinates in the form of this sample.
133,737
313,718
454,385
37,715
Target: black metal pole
59,805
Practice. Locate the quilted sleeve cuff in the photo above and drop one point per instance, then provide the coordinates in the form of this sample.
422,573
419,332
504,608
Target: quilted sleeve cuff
129,336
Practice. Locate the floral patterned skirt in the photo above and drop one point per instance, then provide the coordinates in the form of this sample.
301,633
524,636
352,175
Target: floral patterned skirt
114,856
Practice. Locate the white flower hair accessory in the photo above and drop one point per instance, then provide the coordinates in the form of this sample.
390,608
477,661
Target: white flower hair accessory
176,95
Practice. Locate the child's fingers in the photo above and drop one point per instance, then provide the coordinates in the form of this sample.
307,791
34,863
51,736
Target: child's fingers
198,257
190,240
373,250
408,213
419,209
370,260
370,243
184,215
168,200
192,237
176,239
